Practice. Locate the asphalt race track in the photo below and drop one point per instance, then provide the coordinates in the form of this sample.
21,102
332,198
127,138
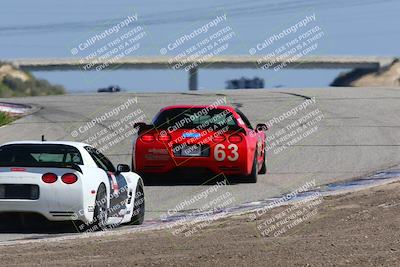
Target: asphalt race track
358,134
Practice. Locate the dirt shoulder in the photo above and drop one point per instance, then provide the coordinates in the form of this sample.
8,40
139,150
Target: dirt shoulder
356,229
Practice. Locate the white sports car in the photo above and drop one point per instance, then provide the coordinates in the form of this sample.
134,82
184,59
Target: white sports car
65,181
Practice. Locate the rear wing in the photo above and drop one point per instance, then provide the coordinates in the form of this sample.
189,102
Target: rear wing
43,165
142,127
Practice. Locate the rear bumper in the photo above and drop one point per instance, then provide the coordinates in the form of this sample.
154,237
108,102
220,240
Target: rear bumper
167,166
52,212
161,158
55,202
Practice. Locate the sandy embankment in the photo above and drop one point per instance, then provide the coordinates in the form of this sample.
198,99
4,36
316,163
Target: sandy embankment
388,76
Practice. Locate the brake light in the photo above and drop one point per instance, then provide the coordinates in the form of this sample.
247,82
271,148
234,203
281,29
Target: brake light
49,178
164,138
219,139
69,178
235,138
147,138
18,169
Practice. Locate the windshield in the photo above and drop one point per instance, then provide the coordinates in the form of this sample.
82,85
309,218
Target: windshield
39,153
194,117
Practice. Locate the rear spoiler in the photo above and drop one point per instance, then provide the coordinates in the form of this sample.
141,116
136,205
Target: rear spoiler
142,127
43,165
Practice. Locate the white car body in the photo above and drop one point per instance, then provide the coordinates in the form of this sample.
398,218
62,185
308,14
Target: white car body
64,202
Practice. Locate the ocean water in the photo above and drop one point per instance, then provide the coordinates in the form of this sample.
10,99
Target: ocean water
50,29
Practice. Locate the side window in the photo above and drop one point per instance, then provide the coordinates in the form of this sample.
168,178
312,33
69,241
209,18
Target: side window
106,162
101,161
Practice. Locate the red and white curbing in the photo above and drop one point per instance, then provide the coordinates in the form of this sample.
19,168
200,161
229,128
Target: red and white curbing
15,109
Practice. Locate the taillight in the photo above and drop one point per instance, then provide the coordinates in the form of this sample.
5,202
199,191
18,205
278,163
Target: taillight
69,178
218,138
164,138
235,138
17,169
49,178
147,138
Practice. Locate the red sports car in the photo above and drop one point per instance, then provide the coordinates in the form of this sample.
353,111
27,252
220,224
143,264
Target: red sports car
219,139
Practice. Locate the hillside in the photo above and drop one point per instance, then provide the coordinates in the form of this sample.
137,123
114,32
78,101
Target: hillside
15,82
388,76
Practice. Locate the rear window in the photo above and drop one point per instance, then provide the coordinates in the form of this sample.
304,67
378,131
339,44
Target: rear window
191,118
39,153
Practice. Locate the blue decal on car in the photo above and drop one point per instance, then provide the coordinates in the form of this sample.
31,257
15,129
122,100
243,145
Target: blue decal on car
191,135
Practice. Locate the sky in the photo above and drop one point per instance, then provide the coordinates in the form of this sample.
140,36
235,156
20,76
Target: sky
49,29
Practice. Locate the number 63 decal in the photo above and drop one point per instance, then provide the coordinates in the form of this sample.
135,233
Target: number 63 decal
220,153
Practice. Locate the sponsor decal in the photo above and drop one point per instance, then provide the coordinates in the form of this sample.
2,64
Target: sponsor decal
191,135
114,183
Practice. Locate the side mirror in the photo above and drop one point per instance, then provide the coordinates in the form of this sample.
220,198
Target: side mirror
123,168
139,125
261,127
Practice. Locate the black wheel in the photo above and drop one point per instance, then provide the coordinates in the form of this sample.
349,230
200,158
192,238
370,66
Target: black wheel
148,179
100,215
138,207
263,169
252,177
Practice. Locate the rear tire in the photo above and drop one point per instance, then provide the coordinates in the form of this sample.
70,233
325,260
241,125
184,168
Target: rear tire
100,215
138,207
252,177
263,169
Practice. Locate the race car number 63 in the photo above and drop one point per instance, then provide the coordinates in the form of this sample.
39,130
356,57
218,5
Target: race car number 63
220,154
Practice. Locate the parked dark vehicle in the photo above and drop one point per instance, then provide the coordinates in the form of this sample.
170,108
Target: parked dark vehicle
110,89
245,83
